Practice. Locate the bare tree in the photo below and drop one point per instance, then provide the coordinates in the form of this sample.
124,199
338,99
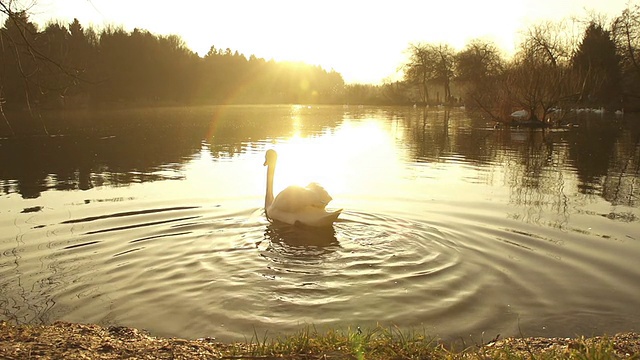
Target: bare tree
430,63
540,78
420,69
551,42
478,71
625,32
445,68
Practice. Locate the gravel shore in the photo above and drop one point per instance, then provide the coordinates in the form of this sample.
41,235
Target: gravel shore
63,340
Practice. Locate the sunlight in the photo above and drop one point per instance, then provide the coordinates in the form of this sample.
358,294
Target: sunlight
330,159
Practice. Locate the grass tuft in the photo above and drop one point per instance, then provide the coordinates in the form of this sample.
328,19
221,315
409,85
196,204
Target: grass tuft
376,343
394,343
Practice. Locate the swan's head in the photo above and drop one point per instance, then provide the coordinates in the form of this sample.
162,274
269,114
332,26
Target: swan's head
270,157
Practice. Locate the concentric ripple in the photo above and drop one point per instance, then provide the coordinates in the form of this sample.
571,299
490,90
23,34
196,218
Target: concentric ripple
225,272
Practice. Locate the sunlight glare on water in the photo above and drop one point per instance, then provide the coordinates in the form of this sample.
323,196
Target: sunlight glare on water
330,158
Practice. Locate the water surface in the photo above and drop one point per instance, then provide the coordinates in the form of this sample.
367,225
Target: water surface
448,224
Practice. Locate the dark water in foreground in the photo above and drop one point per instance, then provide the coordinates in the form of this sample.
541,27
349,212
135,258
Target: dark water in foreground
449,225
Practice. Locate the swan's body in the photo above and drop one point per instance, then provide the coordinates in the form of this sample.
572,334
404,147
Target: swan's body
520,114
296,204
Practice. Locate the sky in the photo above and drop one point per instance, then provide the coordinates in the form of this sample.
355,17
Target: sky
365,41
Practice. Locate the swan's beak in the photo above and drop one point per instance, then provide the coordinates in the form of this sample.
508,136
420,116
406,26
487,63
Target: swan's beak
265,162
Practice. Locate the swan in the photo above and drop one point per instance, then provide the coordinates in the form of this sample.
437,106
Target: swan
295,204
520,114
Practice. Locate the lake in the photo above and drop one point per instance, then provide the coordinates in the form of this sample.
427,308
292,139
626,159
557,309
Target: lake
153,218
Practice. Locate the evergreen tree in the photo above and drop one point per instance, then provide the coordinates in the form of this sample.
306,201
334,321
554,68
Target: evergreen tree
597,62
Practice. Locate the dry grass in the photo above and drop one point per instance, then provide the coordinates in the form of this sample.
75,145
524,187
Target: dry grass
79,341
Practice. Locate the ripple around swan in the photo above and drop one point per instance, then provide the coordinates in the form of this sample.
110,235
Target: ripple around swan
213,271
369,268
227,272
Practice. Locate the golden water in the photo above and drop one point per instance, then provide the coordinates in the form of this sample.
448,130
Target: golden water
448,224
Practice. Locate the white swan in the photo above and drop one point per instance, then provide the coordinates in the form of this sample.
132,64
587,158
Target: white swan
520,114
296,204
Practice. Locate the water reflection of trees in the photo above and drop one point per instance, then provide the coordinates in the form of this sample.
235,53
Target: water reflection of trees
31,166
607,156
232,130
431,134
535,167
438,135
120,147
621,185
600,157
25,299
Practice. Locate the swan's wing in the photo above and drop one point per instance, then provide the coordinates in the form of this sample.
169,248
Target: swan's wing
321,196
306,205
295,198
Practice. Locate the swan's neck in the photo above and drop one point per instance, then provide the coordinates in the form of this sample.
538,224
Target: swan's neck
268,198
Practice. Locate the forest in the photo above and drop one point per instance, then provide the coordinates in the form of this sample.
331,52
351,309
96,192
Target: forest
70,66
66,66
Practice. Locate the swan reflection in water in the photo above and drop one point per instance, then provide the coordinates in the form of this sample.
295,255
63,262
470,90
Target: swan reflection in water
299,241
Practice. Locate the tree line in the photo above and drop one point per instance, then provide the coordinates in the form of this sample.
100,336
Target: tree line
69,66
64,66
551,72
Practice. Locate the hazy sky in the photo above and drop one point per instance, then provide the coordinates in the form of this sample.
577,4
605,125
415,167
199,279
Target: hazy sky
363,40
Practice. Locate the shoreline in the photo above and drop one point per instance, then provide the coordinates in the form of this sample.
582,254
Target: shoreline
89,341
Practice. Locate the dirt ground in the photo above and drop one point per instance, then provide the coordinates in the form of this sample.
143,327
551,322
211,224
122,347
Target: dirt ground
64,340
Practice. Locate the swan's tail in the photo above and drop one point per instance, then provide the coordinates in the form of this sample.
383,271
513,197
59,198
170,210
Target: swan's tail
327,219
332,216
